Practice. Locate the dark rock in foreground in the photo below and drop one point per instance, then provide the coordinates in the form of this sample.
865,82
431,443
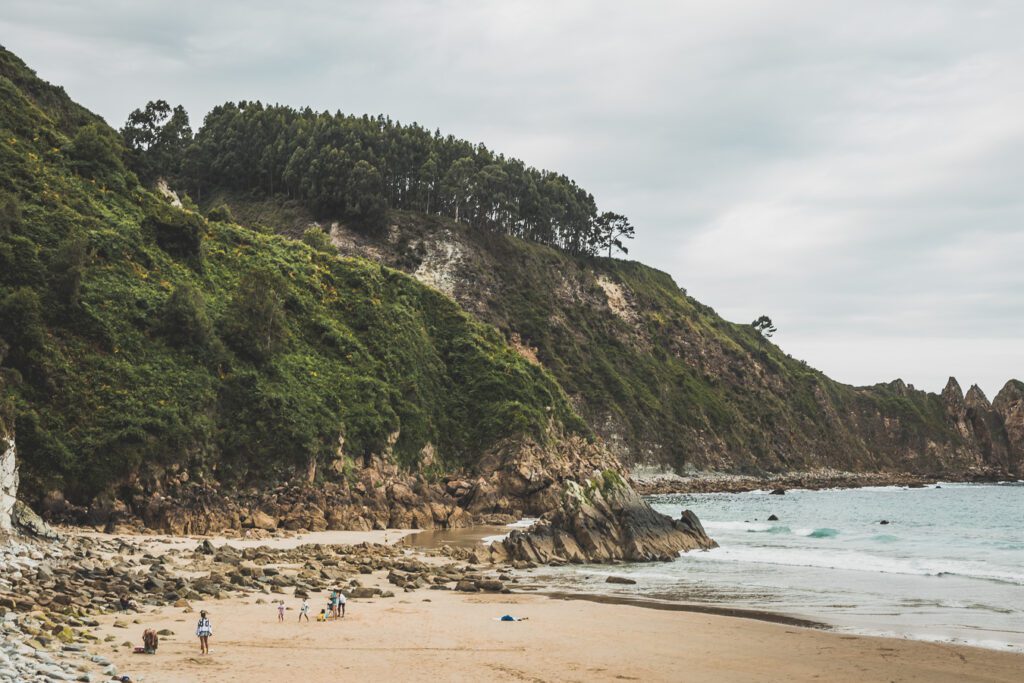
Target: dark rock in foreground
25,520
620,579
602,521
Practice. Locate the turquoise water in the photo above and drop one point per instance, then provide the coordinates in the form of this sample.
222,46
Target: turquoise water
949,566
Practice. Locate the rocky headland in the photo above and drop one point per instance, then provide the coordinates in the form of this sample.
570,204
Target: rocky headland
604,520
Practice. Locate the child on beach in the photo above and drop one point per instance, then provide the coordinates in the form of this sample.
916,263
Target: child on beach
323,615
280,611
304,610
204,630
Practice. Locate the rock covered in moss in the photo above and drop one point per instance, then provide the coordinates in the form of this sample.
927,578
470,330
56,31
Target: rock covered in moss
604,520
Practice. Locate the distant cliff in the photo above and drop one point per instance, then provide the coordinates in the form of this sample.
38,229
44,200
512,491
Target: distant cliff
665,380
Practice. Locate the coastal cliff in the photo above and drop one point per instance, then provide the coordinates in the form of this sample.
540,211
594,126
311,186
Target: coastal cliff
662,379
194,374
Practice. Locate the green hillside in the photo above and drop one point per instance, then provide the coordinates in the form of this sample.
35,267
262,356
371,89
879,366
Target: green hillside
660,376
138,339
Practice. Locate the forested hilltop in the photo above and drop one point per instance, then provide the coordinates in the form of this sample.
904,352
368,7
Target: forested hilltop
358,167
152,357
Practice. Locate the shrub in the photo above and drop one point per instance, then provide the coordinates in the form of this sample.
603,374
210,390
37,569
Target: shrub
10,215
255,322
184,321
67,269
318,239
220,214
179,233
21,322
95,153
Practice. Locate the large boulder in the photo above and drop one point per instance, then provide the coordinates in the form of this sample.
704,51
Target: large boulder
604,520
23,519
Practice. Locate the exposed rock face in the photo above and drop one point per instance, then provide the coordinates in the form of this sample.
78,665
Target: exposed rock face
25,520
1009,404
8,476
984,429
514,480
602,521
573,313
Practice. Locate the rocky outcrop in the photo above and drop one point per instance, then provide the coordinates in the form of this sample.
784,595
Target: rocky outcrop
515,479
25,521
1009,404
8,471
604,520
984,431
650,482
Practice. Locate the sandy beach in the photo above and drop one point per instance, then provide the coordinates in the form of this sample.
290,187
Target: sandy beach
448,636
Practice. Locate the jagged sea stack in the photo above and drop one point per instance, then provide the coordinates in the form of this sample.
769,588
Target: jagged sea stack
604,520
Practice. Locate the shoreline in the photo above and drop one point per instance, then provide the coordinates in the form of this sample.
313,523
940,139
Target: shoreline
429,632
649,483
454,636
697,608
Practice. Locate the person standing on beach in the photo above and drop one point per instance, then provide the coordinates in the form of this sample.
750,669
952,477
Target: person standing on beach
332,604
204,630
341,604
304,610
280,611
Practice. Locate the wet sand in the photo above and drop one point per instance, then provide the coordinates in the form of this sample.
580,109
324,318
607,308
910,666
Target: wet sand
447,636
466,537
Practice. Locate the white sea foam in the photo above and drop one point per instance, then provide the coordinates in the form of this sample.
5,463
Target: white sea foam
736,526
854,561
952,552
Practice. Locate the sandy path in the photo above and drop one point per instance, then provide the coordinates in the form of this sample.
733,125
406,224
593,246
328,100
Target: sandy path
444,636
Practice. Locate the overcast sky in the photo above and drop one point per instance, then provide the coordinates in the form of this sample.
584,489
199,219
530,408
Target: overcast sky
855,170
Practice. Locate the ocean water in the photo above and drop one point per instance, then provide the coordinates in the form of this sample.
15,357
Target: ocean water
948,567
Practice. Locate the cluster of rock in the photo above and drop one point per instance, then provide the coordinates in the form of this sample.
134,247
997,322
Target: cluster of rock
51,592
719,482
44,619
604,520
516,479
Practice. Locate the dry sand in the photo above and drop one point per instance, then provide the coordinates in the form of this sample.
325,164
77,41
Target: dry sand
445,636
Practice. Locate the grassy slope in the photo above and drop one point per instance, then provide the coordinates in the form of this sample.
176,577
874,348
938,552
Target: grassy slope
669,381
104,393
